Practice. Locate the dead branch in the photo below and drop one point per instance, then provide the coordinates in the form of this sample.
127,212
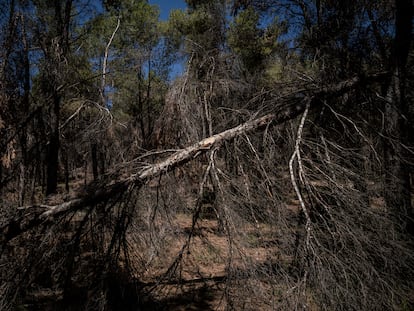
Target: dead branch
105,61
30,217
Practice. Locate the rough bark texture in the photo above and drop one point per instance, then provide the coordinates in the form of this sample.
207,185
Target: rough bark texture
397,171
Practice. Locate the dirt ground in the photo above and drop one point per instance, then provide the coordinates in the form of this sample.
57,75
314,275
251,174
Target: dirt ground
211,270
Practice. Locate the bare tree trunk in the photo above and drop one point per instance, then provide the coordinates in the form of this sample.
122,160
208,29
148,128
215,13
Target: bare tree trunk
66,166
52,156
57,52
25,111
22,183
52,164
101,160
94,159
397,171
105,62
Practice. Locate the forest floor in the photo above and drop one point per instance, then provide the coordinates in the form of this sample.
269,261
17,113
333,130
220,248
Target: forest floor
198,267
203,278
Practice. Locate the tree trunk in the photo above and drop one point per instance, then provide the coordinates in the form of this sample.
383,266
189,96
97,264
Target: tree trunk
397,170
101,159
25,110
94,158
52,156
66,166
56,53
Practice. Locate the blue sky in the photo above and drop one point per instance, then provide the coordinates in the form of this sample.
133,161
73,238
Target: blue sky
165,8
167,5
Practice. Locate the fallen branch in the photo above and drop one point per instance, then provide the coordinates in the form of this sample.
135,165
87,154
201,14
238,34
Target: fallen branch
295,107
20,224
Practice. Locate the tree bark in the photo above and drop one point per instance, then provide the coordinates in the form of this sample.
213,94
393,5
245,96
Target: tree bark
94,159
25,110
52,156
397,171
56,53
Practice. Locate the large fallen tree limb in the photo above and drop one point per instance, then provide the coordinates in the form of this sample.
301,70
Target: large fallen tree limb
294,106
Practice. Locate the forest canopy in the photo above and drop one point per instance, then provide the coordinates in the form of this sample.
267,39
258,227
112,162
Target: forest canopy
273,172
